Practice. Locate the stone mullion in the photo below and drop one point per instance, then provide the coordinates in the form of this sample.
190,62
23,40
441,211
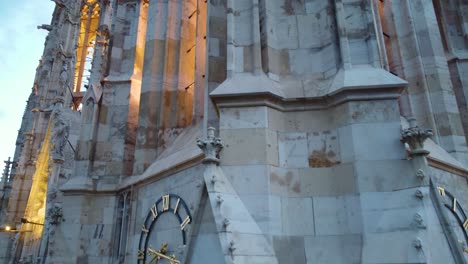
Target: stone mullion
413,70
342,34
130,20
170,87
216,57
186,73
455,61
363,30
393,57
439,89
84,50
91,107
152,83
442,9
243,45
377,57
137,39
379,25
201,59
103,115
463,14
91,138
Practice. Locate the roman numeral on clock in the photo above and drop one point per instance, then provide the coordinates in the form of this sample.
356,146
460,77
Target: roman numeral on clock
185,223
166,199
141,254
154,211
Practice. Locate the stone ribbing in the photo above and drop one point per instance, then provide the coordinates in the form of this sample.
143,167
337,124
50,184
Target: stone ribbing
424,66
121,94
169,82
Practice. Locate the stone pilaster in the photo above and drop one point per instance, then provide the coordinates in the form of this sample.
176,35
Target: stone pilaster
419,57
173,67
240,236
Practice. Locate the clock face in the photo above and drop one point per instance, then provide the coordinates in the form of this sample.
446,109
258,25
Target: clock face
164,231
458,220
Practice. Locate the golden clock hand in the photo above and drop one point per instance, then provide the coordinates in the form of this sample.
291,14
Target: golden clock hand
163,248
155,258
171,259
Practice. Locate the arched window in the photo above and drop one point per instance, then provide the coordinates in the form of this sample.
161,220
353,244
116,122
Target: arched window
89,23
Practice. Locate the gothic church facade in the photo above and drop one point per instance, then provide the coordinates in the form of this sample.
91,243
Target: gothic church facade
244,131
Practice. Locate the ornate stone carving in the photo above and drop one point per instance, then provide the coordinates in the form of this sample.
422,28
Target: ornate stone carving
211,146
45,27
71,19
417,243
420,174
55,215
64,79
103,35
415,138
419,194
419,221
61,52
59,134
61,3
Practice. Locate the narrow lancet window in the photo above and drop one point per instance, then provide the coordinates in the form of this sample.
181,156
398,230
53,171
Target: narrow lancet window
89,23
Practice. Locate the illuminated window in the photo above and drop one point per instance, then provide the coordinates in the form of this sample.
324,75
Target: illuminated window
89,23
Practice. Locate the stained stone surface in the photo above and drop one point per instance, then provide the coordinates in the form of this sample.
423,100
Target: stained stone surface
308,99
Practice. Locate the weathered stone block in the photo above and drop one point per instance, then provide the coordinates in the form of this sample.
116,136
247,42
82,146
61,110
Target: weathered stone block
384,176
335,181
278,61
393,247
256,140
334,249
245,117
323,149
297,226
283,33
368,141
248,180
293,151
337,215
289,249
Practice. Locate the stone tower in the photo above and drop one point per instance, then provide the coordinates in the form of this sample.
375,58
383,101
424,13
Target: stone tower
244,131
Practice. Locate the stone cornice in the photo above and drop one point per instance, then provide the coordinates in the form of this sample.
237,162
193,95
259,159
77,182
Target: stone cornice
363,83
312,103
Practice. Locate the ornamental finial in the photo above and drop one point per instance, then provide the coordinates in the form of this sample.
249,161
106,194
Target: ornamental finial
415,137
211,146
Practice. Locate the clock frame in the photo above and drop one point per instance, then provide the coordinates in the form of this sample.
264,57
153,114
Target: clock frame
455,208
168,203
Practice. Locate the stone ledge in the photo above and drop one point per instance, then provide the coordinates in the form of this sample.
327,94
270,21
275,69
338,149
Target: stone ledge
357,84
179,160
